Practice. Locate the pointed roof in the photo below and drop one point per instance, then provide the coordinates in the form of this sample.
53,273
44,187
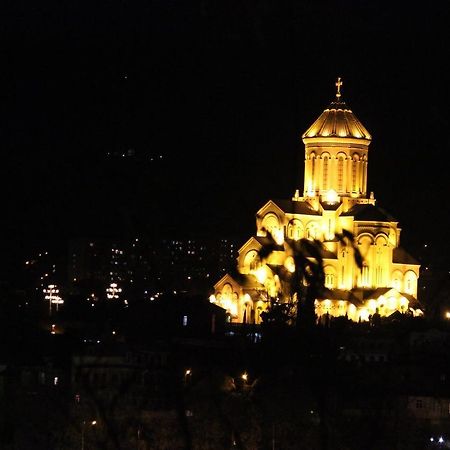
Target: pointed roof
337,121
401,256
368,212
296,207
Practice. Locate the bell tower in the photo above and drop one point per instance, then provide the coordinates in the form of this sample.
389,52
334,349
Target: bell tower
336,153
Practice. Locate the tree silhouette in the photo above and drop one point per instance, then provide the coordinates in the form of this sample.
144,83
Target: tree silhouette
306,282
313,353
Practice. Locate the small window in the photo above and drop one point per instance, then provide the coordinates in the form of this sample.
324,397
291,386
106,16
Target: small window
185,321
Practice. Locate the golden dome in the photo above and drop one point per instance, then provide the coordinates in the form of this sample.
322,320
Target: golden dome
337,121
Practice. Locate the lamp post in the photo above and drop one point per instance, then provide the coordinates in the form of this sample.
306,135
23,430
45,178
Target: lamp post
83,424
51,295
113,291
187,374
57,301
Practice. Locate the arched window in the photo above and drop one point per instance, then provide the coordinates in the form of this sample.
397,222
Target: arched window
340,173
325,172
329,280
247,316
410,282
365,281
311,231
313,169
354,172
397,280
364,242
251,260
271,222
295,229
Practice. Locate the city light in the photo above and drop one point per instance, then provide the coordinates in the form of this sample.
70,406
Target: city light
113,291
83,424
51,294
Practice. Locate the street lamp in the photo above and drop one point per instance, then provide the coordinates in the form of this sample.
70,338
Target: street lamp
83,424
113,291
57,301
51,295
187,373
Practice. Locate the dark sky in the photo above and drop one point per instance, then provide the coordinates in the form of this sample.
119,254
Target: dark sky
222,90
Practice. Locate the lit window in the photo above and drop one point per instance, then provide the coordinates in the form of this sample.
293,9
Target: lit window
185,321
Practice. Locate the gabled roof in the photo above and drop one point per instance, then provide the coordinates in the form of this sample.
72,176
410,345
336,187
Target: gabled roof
367,212
252,241
296,207
264,240
338,294
401,256
368,294
257,242
227,278
330,206
244,281
269,206
249,282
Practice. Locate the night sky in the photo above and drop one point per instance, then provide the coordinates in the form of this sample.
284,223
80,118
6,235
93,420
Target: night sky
211,98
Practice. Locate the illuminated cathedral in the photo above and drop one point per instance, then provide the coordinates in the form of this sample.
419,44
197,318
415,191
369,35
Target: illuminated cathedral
335,198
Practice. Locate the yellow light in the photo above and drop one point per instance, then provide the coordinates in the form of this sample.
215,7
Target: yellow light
364,315
244,376
261,274
212,298
331,197
403,303
278,235
447,315
290,264
372,305
94,422
392,303
188,372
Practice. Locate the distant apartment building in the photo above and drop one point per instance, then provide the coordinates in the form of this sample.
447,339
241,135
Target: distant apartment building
180,264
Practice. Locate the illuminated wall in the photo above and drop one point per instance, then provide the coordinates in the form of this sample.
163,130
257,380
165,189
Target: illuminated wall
334,199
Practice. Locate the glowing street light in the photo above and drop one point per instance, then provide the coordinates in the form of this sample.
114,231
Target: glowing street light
83,424
57,301
187,374
113,291
51,294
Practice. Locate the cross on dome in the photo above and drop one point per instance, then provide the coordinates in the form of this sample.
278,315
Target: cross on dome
338,84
